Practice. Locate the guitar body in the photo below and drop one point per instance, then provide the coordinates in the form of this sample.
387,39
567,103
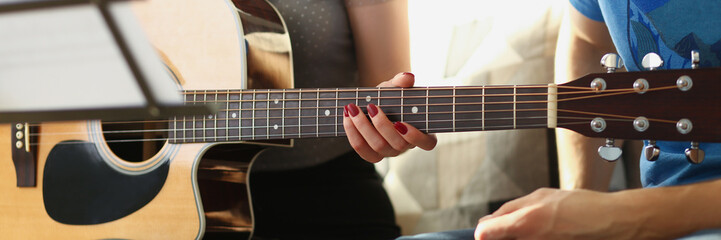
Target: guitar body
174,212
84,190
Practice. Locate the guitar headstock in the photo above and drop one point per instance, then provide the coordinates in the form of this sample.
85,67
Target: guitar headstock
678,105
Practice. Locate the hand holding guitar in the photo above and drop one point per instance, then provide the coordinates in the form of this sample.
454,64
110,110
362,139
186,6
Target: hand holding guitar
379,137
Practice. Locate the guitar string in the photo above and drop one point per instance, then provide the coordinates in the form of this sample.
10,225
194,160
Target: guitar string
353,99
268,126
587,113
404,97
438,129
387,106
372,89
275,136
336,124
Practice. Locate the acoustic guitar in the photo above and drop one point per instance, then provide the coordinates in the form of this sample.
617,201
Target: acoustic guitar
182,178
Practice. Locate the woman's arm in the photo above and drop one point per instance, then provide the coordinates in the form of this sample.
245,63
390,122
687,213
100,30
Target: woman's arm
380,32
381,38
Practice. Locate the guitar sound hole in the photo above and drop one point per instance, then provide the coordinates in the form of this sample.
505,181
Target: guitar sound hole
135,141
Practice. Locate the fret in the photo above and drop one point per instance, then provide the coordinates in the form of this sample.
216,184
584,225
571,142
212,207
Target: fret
267,117
188,125
426,111
483,108
211,119
290,112
199,120
514,106
440,110
260,114
282,110
327,113
234,116
454,109
356,96
247,109
337,115
402,94
222,115
300,106
309,113
469,109
379,100
204,126
499,106
259,125
253,117
275,114
171,134
317,113
215,124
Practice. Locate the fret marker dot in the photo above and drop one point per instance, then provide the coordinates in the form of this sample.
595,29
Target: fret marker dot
368,98
414,109
327,112
275,127
234,115
210,116
276,101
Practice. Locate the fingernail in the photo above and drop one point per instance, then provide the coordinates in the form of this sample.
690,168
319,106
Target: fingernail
400,127
345,111
409,74
372,110
352,109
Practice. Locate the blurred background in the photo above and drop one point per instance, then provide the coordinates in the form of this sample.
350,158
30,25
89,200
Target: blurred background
469,175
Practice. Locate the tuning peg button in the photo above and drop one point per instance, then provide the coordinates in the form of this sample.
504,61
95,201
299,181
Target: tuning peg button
609,152
652,61
695,59
611,62
694,154
651,151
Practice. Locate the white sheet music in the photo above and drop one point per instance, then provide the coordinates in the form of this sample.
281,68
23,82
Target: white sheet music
65,58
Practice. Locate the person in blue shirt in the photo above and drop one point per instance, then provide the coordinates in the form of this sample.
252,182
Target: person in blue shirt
680,199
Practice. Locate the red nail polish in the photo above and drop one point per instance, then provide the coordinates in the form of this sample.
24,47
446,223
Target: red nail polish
409,74
401,128
345,111
352,109
372,110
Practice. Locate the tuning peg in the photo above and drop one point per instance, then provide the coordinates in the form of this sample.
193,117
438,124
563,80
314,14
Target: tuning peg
609,152
651,151
695,59
611,62
652,61
694,154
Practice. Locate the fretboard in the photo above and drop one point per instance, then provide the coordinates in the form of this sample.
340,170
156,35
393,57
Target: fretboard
311,113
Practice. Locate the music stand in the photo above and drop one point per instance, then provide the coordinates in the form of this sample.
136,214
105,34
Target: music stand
81,59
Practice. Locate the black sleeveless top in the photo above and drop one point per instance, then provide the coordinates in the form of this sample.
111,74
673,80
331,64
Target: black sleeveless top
323,56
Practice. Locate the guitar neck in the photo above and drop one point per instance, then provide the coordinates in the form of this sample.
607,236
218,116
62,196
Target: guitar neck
312,113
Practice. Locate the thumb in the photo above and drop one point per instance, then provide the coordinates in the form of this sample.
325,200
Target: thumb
404,79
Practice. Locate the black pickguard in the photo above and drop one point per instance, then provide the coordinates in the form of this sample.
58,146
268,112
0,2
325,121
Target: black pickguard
79,188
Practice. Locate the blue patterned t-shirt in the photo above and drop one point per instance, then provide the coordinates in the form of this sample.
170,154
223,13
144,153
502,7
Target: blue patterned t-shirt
670,28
